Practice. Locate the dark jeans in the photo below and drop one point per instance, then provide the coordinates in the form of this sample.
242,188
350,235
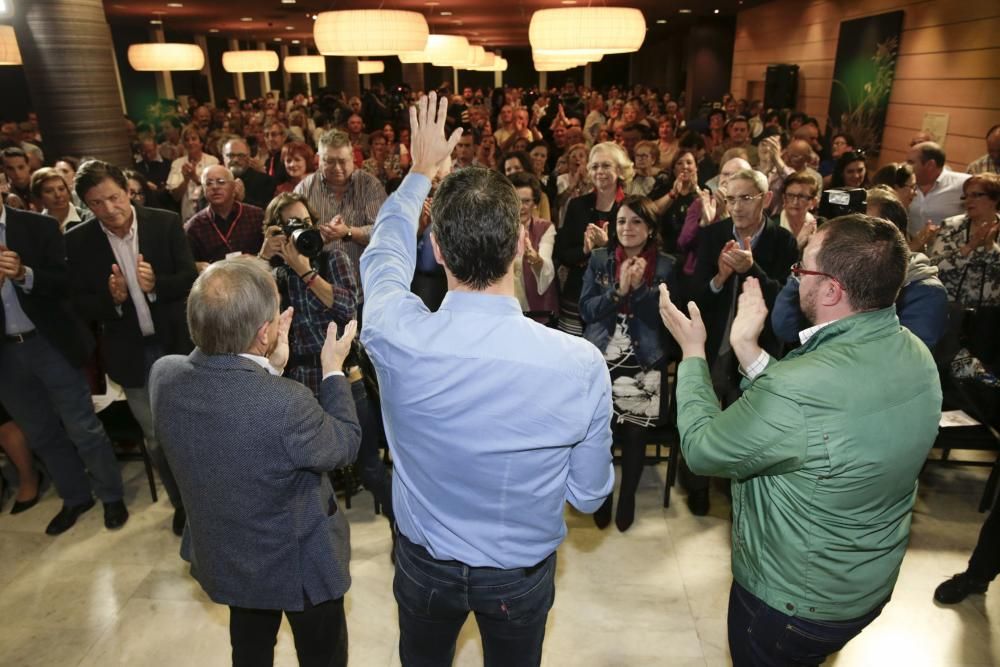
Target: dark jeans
50,400
320,634
760,636
985,562
435,597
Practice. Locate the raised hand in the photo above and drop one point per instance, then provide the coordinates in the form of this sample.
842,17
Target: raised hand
725,269
751,314
637,272
740,260
117,285
431,150
145,275
689,332
279,357
335,350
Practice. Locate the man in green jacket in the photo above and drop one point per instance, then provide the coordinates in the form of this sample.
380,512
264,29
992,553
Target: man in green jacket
823,447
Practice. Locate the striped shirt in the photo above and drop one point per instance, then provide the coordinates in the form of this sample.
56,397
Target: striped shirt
358,207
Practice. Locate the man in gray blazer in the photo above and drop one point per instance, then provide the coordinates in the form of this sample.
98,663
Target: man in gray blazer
249,450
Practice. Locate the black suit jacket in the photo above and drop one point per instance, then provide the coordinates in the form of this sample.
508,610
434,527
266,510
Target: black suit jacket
161,243
37,239
773,257
259,188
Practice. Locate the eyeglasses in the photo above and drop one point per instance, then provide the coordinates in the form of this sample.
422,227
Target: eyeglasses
791,196
973,195
732,202
236,156
221,182
797,270
643,155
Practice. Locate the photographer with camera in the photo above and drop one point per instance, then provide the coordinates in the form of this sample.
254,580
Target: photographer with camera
319,284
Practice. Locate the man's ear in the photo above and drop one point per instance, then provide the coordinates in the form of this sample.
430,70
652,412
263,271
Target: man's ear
261,338
768,196
438,257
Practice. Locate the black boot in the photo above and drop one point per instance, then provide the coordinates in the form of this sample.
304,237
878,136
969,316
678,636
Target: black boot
633,454
602,517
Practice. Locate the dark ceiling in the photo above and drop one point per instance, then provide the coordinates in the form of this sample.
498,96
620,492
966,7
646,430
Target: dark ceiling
490,23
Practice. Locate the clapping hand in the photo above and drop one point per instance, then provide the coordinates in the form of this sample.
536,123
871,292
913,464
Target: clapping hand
689,332
725,269
636,272
117,285
145,276
279,357
335,350
739,260
751,314
431,150
531,254
594,237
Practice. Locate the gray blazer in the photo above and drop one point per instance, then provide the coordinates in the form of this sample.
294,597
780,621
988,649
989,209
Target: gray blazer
249,451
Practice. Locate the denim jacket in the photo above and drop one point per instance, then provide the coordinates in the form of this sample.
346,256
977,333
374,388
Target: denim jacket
599,307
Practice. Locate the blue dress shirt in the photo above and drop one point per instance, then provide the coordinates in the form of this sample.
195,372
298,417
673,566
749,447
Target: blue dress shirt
493,420
15,320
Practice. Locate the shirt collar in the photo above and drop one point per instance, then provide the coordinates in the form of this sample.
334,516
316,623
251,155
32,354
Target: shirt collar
3,214
477,301
261,361
806,334
753,239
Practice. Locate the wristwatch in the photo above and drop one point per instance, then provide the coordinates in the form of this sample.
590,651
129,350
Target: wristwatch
348,236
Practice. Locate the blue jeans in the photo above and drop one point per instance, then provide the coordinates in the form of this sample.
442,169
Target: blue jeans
435,597
761,636
40,389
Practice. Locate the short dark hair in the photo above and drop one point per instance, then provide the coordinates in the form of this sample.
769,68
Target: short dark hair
476,216
801,178
643,207
94,172
841,164
889,206
868,256
520,156
693,140
524,179
14,152
929,150
894,174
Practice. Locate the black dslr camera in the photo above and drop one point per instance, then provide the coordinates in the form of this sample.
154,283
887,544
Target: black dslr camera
835,203
306,238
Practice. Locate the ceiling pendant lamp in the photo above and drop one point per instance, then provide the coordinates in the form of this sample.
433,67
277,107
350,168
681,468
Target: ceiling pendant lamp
499,65
305,64
559,57
586,30
549,66
169,57
9,53
371,67
443,49
369,32
249,61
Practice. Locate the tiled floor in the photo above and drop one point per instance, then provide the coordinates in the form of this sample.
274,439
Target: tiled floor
656,595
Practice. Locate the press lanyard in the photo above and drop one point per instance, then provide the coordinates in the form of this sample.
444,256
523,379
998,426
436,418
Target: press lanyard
225,239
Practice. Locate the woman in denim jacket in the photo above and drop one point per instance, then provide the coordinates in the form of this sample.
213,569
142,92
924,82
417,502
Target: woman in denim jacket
619,305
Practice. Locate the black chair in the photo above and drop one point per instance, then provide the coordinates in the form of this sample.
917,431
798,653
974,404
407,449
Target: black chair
126,435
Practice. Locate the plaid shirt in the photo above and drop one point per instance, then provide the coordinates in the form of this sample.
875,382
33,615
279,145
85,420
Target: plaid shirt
207,232
312,316
358,207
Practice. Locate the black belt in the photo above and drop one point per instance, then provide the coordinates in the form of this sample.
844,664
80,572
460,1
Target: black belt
21,337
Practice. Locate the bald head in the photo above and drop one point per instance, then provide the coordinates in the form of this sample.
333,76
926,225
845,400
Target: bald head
220,189
798,154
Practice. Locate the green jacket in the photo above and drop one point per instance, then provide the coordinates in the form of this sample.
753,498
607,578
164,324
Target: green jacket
824,448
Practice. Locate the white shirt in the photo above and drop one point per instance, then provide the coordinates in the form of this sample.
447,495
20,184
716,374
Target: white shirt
763,359
189,202
126,251
942,201
72,216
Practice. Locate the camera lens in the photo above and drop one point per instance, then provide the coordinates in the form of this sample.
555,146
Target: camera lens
309,242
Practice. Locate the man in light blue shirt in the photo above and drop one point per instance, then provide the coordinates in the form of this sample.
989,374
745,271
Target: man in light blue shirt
493,420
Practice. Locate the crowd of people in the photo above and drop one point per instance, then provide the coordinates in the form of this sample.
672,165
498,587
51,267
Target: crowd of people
637,236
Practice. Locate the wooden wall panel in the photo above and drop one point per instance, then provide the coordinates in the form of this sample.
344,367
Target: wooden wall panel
948,63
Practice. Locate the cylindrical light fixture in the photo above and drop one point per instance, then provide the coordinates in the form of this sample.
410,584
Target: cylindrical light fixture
371,67
544,66
9,53
369,32
499,65
585,30
169,57
444,49
305,64
249,61
558,57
